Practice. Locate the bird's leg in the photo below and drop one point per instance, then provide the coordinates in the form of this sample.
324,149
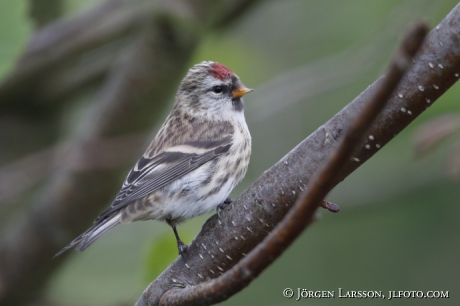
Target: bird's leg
222,206
180,245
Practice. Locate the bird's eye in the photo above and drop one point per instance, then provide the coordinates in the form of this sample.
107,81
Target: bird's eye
217,89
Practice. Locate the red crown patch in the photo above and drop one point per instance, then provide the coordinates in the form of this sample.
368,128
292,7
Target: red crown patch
220,72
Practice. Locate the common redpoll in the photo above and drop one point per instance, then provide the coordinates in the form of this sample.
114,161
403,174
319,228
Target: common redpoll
198,156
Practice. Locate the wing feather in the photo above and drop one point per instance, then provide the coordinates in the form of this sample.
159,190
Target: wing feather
152,174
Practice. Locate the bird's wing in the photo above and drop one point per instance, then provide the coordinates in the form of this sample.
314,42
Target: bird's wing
150,174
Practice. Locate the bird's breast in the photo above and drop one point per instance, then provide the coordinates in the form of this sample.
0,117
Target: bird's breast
240,152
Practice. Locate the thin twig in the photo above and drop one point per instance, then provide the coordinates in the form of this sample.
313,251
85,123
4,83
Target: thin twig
300,216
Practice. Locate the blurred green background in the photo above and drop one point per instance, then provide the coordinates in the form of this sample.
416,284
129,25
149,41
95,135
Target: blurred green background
399,219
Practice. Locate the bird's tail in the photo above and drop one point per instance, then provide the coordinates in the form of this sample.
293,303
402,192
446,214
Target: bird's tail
94,232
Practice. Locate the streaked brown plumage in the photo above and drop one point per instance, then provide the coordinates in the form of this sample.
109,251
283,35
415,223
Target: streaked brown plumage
197,157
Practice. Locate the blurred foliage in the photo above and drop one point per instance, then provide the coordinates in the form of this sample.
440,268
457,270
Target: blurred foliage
399,215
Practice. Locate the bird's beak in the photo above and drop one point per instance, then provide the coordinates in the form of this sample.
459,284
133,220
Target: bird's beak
241,91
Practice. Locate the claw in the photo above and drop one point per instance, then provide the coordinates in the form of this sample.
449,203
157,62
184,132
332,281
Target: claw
182,247
222,206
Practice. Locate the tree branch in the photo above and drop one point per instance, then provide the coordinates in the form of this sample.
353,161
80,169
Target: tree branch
301,214
222,243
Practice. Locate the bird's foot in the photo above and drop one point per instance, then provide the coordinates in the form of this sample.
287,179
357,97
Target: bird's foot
222,206
182,247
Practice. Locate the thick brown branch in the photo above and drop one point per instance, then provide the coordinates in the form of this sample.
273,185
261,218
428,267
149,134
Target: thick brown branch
301,214
222,243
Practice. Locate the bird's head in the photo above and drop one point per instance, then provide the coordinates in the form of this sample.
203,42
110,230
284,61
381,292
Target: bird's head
213,91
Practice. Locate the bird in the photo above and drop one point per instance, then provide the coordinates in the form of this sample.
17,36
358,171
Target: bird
200,153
